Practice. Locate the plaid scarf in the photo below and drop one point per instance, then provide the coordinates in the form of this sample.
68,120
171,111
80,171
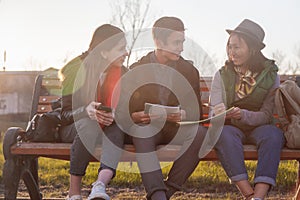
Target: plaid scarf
246,82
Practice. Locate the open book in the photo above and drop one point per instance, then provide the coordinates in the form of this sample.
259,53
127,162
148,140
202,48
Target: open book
157,109
206,120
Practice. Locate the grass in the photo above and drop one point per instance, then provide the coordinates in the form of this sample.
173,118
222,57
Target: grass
207,173
209,178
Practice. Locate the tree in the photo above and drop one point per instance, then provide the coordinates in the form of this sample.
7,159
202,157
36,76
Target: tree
200,58
297,64
278,56
131,16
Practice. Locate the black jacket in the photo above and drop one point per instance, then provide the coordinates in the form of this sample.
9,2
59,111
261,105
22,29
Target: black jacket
150,92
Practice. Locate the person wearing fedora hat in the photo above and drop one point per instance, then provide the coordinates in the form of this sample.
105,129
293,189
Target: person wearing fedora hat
247,82
251,30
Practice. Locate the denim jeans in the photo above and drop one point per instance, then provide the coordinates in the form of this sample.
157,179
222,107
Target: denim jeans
88,136
269,141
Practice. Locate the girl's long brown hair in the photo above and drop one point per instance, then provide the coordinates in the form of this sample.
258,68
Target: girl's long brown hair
85,86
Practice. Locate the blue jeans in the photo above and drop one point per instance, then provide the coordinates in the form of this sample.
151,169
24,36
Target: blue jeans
269,141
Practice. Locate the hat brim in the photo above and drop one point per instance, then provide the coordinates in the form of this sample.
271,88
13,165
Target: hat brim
260,44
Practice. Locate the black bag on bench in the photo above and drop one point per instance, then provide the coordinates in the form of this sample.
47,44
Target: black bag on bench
45,127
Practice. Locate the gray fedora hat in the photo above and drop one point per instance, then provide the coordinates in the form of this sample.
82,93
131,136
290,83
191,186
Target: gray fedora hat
251,30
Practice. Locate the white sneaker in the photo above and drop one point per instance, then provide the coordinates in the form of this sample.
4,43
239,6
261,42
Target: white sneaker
98,191
74,197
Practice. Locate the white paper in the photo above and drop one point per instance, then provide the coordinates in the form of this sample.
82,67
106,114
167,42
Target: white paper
206,120
157,109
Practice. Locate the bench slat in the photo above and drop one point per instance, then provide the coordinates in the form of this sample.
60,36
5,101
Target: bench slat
47,99
53,83
165,153
44,108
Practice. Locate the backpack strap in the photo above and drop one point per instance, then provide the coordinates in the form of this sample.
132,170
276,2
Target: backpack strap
291,92
282,116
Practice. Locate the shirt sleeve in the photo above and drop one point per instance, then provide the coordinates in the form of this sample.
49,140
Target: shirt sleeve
216,90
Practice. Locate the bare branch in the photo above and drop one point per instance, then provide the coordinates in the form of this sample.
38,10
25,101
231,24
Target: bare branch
278,56
130,14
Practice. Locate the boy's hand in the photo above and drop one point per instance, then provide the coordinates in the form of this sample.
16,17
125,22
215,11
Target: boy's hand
140,117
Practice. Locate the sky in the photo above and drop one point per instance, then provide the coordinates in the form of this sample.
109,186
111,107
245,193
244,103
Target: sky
37,34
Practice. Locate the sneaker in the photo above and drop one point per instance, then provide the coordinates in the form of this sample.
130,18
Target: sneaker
74,197
98,192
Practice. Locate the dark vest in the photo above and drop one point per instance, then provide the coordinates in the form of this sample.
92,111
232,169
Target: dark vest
253,101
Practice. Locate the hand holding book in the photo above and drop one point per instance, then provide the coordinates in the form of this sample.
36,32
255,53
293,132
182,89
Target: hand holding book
219,108
157,109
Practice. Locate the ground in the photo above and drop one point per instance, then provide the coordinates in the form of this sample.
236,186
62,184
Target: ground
138,193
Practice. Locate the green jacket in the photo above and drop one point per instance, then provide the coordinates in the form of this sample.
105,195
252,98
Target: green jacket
253,101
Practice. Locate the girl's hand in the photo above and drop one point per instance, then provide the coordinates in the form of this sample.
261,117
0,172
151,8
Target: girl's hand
236,113
103,117
219,108
91,110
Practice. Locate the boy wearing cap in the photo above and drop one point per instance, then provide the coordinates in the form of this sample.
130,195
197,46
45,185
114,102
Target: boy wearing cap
248,82
171,79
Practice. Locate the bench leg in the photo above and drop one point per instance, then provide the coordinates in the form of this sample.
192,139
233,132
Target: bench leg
17,167
11,170
31,184
11,178
297,195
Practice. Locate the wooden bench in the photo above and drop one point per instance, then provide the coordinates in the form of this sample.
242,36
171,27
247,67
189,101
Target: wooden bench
21,157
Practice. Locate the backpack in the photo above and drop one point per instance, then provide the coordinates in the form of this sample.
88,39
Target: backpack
45,127
287,102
